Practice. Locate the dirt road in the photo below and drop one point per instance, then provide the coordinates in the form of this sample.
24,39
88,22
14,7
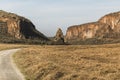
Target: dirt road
8,70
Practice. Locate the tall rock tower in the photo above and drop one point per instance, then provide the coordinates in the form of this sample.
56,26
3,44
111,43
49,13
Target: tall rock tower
59,37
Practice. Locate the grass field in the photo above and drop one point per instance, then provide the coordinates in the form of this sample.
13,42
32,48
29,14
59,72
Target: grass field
11,46
95,62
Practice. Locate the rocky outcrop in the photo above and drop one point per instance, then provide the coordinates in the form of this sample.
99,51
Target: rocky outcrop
18,27
106,27
59,37
59,34
88,30
113,20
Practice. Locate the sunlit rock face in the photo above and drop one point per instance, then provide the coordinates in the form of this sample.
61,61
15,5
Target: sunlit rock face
59,35
106,27
113,20
19,27
88,30
3,28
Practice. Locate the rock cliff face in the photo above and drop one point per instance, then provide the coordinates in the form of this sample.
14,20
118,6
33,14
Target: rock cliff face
18,27
113,20
88,30
106,27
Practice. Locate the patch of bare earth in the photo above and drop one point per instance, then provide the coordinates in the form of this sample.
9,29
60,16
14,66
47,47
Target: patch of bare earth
70,62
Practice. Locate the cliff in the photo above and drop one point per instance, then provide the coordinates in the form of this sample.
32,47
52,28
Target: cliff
18,27
88,30
105,27
113,20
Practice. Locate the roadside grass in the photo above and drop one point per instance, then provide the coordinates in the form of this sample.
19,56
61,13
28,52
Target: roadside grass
73,62
11,46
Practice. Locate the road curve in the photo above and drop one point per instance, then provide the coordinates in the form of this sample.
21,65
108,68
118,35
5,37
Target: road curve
8,70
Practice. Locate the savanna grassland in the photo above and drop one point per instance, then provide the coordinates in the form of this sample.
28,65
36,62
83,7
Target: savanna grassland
72,62
11,46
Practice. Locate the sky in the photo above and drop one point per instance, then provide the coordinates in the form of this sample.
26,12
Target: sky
49,15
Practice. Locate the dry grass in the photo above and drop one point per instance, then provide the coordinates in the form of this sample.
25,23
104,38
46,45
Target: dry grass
11,46
70,62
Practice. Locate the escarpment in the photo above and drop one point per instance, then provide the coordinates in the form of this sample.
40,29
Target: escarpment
88,30
18,27
106,27
113,20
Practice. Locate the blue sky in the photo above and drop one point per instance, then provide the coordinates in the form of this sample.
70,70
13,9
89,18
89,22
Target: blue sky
49,15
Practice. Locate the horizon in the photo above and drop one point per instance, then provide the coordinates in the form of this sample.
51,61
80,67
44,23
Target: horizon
49,15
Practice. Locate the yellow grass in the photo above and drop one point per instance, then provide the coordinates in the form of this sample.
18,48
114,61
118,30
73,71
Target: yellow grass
100,62
11,46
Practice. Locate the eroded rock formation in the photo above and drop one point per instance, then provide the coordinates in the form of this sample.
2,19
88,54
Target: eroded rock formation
113,20
59,34
19,27
59,37
106,27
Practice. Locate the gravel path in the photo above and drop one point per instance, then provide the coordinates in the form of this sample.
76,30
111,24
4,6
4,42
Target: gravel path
8,70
